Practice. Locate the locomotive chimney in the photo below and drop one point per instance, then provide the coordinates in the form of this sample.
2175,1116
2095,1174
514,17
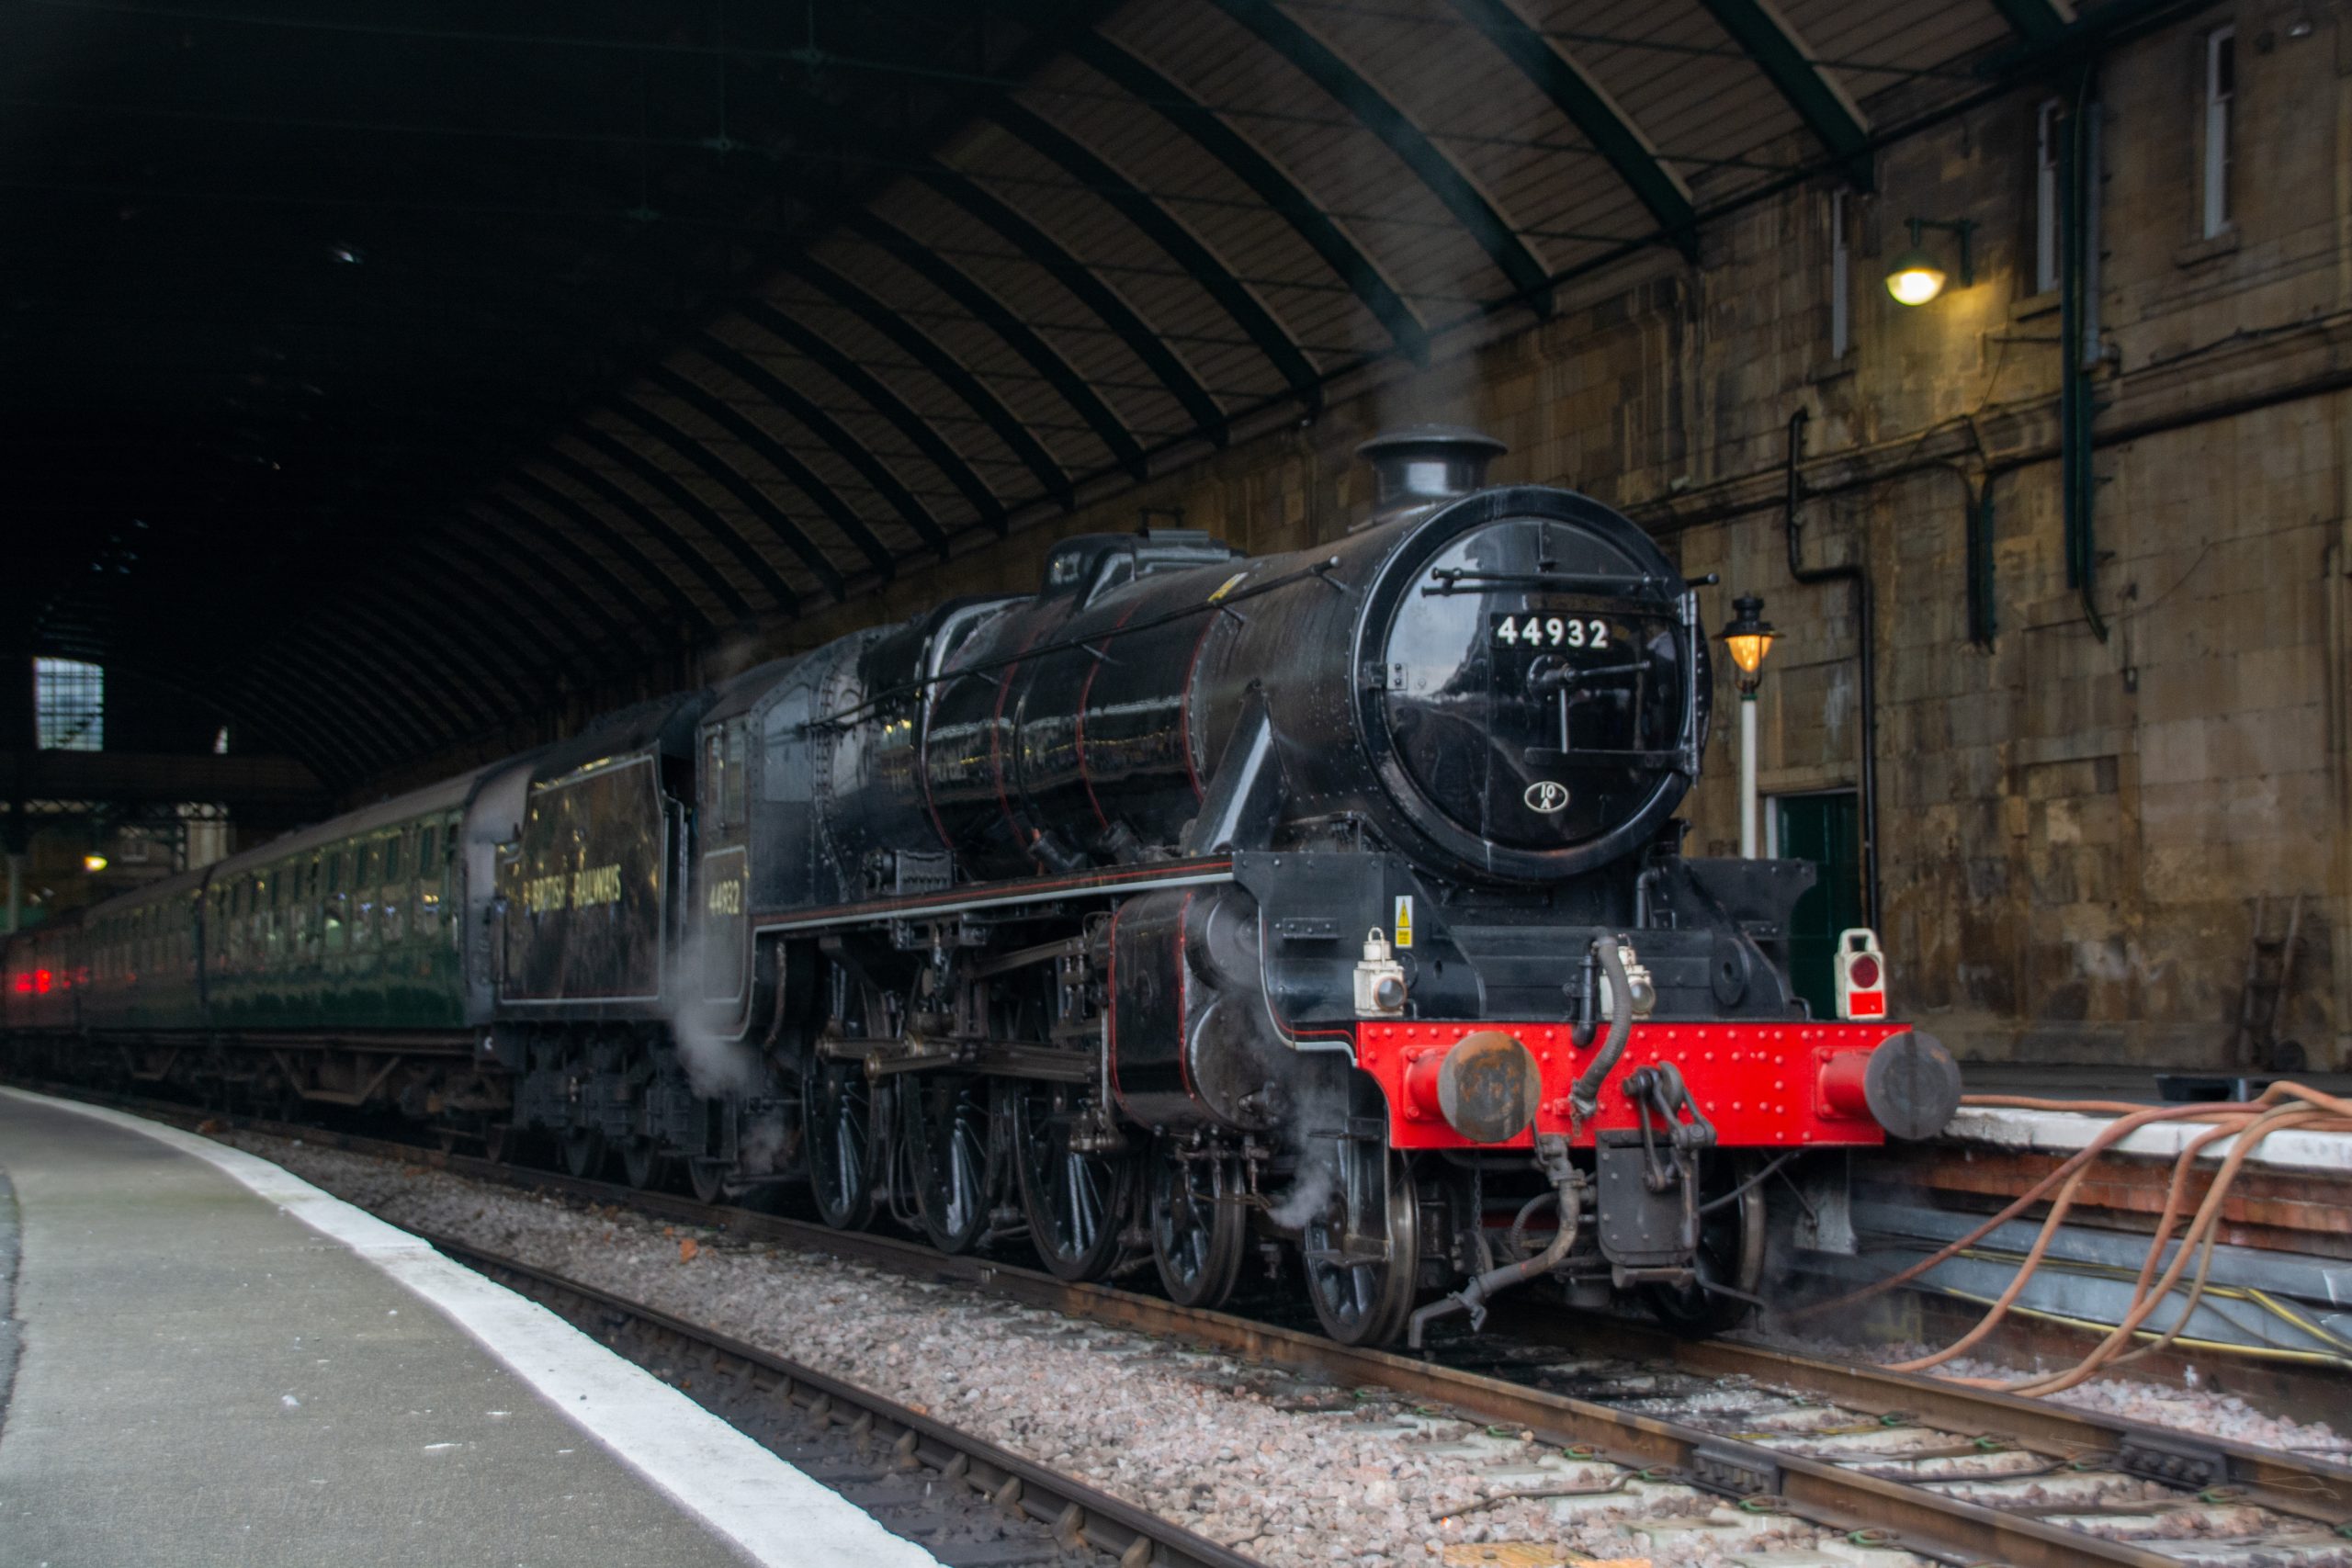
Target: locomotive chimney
1421,464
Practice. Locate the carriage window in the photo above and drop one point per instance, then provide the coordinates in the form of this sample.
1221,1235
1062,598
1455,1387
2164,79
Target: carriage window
392,857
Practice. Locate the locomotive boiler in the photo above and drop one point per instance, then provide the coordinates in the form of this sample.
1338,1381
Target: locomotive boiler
1326,911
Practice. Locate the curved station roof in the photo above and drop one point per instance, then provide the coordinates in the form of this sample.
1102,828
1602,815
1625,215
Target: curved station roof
377,371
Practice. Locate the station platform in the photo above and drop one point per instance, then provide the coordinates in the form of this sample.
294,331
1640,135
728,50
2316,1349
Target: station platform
2139,1084
217,1363
2055,1132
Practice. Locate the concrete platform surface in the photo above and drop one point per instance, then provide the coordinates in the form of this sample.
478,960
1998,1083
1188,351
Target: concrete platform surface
2063,1133
2077,1080
219,1365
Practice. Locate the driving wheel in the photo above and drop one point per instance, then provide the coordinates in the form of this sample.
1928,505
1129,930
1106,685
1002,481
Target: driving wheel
838,1102
1359,1296
1198,1226
949,1148
1076,1200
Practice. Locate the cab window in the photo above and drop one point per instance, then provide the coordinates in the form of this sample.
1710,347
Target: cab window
731,795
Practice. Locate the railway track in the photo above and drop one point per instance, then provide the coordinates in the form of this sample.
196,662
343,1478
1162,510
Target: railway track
1951,1474
920,1477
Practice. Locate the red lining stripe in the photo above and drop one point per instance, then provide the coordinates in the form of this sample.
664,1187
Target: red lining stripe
1184,1065
1086,689
996,741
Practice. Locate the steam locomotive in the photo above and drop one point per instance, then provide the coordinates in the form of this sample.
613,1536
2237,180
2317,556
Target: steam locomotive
1324,909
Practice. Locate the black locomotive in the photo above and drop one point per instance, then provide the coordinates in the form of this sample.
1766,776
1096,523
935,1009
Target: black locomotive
1325,907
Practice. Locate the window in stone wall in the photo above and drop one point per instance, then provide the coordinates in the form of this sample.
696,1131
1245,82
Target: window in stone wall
69,705
2221,126
2049,123
1841,279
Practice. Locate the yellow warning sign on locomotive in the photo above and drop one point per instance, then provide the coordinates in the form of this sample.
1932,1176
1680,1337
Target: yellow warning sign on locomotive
1404,937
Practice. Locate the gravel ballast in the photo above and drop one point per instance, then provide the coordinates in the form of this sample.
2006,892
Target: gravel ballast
1197,1436
2201,1410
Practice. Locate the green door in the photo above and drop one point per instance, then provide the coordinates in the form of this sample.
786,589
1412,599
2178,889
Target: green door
1826,830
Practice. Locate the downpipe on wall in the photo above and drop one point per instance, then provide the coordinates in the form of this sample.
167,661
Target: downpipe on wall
2335,604
2079,478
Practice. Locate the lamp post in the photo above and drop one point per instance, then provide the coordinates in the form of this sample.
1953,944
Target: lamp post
1749,638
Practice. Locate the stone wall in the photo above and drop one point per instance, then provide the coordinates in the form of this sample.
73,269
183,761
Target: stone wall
2074,829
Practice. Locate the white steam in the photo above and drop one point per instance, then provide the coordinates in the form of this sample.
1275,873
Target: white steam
1310,1195
716,1067
1318,1111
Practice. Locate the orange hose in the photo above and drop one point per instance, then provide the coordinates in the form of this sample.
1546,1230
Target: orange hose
2000,1309
2120,1337
2280,1107
2114,1133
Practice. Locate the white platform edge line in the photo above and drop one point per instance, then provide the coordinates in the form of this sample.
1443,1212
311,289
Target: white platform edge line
2063,1132
764,1506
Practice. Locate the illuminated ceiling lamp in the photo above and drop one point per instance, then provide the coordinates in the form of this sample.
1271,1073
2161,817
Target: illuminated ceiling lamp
1917,275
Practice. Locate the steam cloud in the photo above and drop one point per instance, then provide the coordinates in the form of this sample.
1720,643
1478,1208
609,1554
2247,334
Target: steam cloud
716,1068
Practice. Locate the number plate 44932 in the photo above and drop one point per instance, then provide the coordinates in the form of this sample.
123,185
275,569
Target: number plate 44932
1551,631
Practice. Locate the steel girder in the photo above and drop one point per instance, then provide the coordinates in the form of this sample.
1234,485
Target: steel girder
1836,121
947,369
1047,361
524,526
527,597
654,524
1316,61
1181,245
2036,21
774,453
699,454
789,398
458,679
662,483
869,390
586,517
1347,261
489,631
1049,257
1595,115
